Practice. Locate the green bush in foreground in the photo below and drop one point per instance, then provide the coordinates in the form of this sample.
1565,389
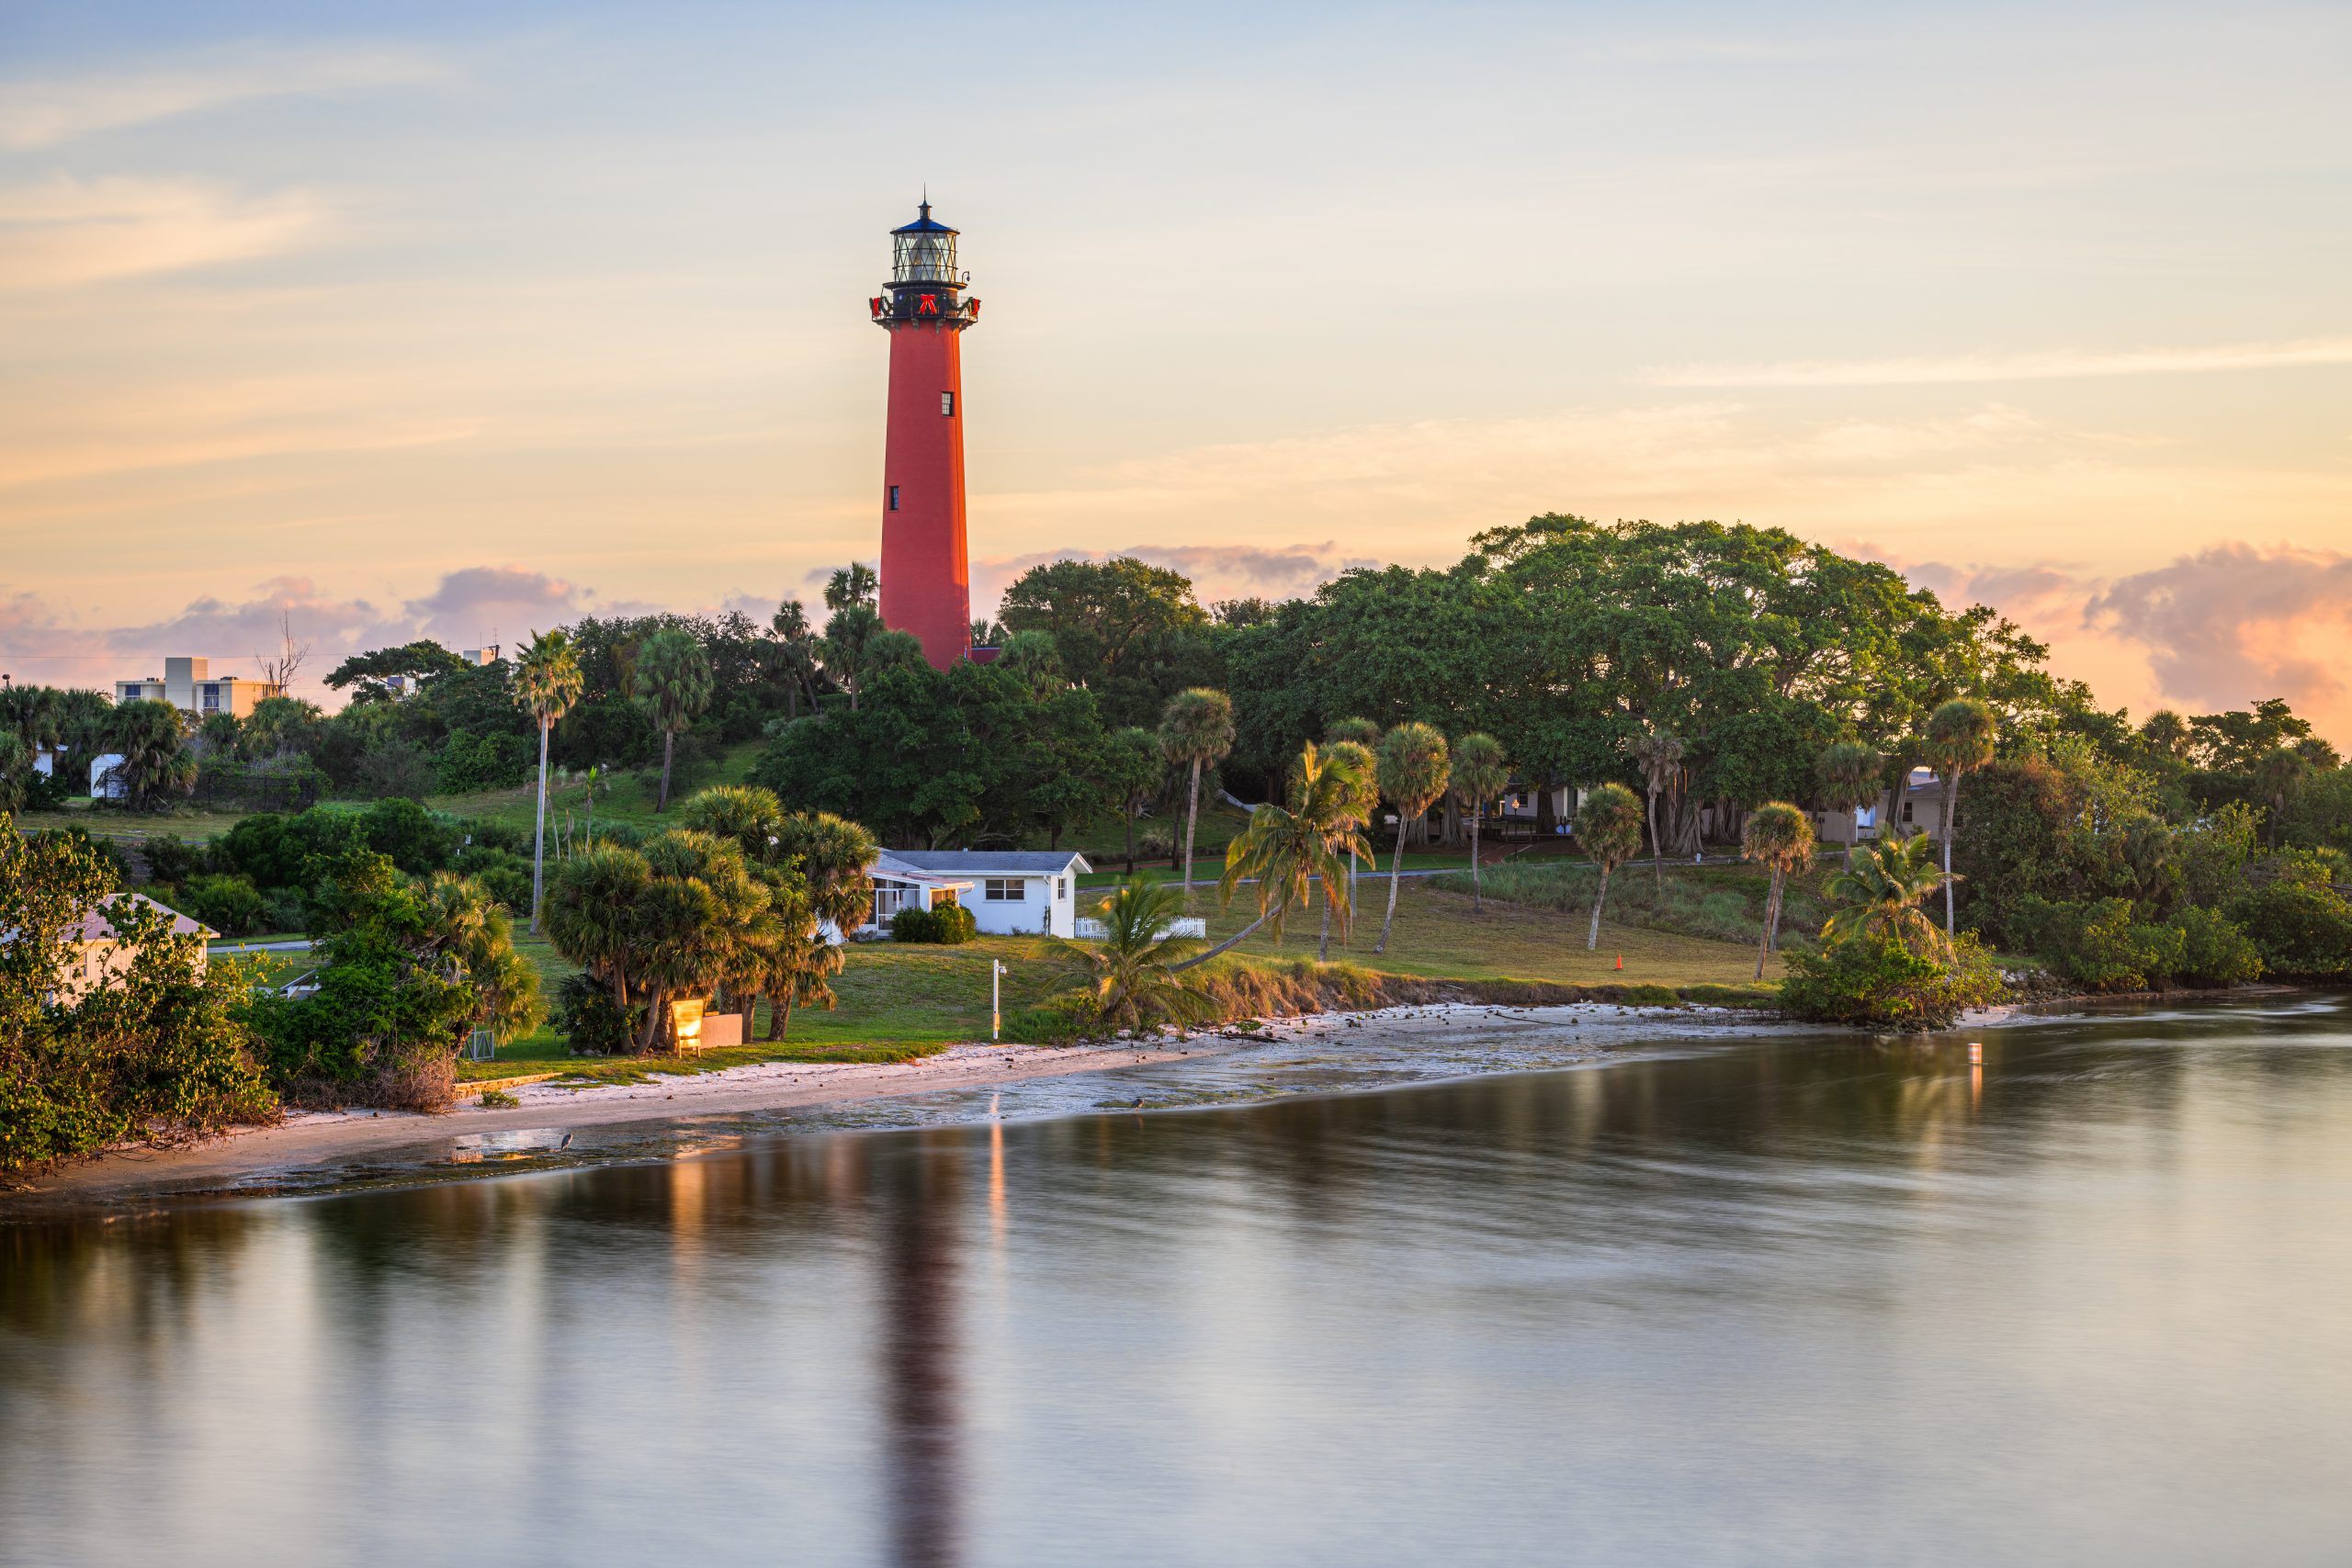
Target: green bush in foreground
1880,982
159,1051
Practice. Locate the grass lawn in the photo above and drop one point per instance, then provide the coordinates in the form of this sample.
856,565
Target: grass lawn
187,822
896,1003
1438,933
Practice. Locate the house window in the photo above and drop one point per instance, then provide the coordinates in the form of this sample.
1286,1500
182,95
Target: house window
891,895
947,405
944,896
1907,811
1003,890
894,497
1061,886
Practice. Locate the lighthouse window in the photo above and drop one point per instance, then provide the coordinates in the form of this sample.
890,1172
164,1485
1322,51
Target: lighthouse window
947,405
894,497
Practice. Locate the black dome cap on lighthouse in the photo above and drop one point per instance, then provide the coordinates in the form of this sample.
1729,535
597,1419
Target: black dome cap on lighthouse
925,224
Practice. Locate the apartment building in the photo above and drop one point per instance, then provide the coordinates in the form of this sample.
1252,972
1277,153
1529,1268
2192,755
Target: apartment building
189,685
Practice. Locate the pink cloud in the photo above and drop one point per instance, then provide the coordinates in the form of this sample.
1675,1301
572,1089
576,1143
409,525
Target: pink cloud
1218,571
2235,623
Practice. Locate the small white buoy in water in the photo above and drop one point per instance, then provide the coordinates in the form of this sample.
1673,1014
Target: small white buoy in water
1976,1055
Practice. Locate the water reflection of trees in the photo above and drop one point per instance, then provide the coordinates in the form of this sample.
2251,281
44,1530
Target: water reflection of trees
516,1283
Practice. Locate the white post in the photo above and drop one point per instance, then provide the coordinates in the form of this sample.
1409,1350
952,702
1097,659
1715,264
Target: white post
996,994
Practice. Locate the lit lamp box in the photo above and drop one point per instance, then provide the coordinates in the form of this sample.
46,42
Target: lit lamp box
695,1030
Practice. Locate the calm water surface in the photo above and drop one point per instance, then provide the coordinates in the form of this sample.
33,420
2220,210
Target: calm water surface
1806,1301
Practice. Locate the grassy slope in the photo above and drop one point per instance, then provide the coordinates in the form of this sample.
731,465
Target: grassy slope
900,1002
1439,933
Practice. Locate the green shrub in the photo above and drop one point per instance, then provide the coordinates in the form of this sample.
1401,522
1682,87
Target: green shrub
470,763
944,925
594,1024
229,904
2303,929
507,875
2097,944
1877,982
418,841
498,1100
171,862
1061,1020
488,834
2214,951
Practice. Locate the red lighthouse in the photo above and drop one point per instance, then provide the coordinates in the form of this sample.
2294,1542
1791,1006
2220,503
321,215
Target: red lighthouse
926,584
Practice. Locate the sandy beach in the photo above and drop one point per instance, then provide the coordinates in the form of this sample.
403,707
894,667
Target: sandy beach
259,1160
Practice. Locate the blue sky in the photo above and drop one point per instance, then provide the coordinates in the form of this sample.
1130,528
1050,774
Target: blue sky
465,318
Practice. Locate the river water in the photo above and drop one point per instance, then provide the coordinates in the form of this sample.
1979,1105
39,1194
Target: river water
1814,1300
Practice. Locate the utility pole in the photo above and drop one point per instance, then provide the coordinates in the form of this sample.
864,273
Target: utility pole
996,998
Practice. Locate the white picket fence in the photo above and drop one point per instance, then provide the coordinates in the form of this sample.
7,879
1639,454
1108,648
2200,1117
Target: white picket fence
1183,925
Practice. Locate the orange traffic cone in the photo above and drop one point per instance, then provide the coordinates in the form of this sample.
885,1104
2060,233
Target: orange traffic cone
1621,961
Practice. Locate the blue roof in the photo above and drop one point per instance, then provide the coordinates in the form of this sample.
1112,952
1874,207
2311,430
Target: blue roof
923,224
992,862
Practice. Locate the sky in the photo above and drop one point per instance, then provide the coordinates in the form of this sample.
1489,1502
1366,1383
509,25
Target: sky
460,321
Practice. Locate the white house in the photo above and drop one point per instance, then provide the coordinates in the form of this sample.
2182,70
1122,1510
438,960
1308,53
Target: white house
1009,892
95,954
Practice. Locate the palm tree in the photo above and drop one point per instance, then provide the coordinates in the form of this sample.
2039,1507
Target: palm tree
15,771
1779,836
1960,738
814,866
1608,826
153,747
468,929
1360,772
1365,734
1287,847
1135,965
852,584
547,683
673,679
2167,734
1036,659
592,914
836,858
33,713
747,815
1413,771
1480,776
1880,895
1660,756
707,924
1851,776
850,636
1196,729
2276,775
794,655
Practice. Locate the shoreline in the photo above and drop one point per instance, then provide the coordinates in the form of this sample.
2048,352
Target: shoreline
266,1161
239,1162
304,1154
